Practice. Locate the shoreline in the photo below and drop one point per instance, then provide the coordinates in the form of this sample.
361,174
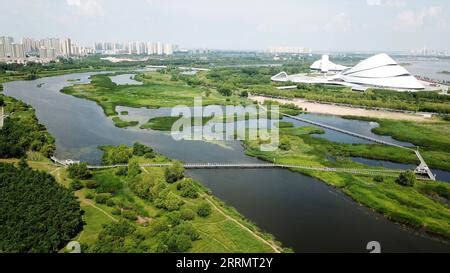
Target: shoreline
339,110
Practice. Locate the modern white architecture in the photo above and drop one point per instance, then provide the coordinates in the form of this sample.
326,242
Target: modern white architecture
324,65
379,71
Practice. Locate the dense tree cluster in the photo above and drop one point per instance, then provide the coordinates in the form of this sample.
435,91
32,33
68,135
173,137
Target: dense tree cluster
36,213
22,132
79,171
116,154
204,209
407,179
174,172
143,150
121,237
187,188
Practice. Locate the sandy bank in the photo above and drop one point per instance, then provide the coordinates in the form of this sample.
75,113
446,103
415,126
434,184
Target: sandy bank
321,108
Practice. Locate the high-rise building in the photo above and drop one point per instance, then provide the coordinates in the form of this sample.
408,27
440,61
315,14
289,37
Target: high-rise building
42,52
2,51
168,49
159,48
29,45
66,47
17,50
7,45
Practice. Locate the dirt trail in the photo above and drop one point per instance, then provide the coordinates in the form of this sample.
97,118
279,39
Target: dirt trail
338,110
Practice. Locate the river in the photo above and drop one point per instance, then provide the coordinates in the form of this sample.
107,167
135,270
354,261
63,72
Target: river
302,212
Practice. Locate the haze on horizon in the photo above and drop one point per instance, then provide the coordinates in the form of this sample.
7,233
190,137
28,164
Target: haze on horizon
323,25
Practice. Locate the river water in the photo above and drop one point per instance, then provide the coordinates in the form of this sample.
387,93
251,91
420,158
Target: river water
302,212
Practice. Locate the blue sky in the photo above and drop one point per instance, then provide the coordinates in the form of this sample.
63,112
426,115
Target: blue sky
334,25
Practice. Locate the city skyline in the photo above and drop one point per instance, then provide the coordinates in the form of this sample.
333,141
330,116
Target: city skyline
361,25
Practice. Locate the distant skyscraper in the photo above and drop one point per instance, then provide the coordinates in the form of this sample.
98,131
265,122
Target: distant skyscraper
168,49
2,51
159,48
17,51
7,42
29,45
66,47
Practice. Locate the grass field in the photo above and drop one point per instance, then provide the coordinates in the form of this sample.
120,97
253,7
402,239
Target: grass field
122,123
157,90
166,123
223,231
432,138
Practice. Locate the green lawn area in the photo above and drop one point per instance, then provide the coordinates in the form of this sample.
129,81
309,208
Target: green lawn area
122,123
166,123
433,139
157,90
218,232
424,206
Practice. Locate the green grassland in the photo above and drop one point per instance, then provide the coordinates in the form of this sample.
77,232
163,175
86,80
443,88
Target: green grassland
424,206
432,138
223,231
166,123
158,90
218,232
122,123
373,98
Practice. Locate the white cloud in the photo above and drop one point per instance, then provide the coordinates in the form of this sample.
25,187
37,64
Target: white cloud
392,3
86,7
410,19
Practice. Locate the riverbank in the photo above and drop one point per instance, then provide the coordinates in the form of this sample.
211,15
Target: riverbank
112,199
332,109
421,207
158,89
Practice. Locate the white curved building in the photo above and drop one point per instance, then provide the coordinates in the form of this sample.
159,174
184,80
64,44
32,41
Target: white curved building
381,71
324,65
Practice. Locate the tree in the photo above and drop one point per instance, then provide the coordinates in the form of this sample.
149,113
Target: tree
187,214
23,164
130,215
225,91
120,237
407,179
142,150
187,229
37,214
79,171
133,168
204,209
116,154
174,172
244,94
187,189
378,179
121,171
76,185
91,184
2,101
101,198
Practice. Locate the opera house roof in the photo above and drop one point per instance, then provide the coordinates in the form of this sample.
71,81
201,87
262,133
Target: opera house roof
379,71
